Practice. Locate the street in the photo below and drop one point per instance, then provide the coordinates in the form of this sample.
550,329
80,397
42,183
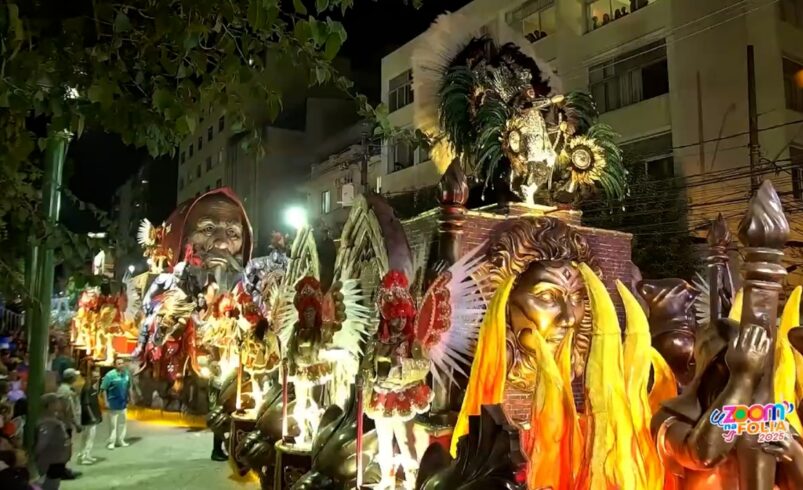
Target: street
159,458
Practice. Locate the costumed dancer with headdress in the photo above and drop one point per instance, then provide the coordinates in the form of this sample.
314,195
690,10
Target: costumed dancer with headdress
305,368
397,389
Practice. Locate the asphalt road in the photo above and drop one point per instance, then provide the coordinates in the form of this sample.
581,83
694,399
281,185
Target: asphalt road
159,458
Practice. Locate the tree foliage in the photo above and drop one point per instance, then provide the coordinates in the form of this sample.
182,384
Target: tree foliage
146,70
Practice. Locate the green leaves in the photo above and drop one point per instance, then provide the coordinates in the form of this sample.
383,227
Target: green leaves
299,7
15,24
121,23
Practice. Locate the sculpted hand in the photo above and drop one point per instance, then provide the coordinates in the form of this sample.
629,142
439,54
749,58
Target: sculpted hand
748,352
787,449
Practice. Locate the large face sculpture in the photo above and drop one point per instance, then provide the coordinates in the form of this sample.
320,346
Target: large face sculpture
548,295
550,298
215,228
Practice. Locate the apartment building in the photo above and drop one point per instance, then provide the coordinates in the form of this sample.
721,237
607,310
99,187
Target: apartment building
337,172
202,157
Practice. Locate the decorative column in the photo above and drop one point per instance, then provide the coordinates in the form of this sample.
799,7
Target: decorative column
719,239
452,197
763,231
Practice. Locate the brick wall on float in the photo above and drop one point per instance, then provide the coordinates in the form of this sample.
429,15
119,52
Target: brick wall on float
611,248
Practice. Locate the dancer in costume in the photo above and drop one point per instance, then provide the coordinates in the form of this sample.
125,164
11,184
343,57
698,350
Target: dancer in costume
397,388
306,369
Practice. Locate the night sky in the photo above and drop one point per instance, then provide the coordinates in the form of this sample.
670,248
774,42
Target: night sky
99,163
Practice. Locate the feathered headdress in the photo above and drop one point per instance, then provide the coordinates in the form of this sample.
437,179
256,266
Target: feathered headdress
308,294
394,301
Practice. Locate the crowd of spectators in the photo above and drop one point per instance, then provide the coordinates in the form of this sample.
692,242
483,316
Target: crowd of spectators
70,410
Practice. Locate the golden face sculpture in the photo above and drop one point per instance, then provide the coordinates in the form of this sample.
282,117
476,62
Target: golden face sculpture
549,297
214,228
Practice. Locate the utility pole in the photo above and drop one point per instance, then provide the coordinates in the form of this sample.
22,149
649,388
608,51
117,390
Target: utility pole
366,150
755,155
39,329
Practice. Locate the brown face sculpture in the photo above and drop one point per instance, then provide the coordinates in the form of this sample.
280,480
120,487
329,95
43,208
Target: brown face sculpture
549,297
214,228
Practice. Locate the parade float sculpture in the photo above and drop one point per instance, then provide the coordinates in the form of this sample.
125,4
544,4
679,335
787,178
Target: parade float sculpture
97,322
485,100
673,326
152,241
211,236
744,359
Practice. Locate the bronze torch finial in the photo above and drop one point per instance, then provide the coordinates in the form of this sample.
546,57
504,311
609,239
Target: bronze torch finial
764,224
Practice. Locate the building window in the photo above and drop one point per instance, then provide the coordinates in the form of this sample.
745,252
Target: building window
651,158
402,155
535,19
793,84
189,150
629,78
198,171
603,12
796,156
200,142
220,156
218,183
221,124
792,12
378,188
209,133
400,91
326,202
208,188
662,168
208,163
183,157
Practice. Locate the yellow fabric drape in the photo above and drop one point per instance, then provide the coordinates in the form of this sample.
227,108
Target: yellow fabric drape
610,458
785,368
486,384
637,363
554,428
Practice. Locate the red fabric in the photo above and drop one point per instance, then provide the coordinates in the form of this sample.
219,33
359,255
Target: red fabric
412,400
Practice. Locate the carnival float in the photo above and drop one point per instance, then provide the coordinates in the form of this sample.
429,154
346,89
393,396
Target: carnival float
501,347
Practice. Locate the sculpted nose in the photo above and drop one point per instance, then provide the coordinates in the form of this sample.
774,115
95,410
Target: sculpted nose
567,317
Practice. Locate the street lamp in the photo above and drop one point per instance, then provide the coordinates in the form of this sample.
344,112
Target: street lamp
296,217
131,269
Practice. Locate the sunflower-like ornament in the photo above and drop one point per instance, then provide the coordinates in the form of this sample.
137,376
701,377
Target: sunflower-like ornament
586,160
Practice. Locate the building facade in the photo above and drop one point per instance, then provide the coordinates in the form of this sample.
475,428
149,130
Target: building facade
202,157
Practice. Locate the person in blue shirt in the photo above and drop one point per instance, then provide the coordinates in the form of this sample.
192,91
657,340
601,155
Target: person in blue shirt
115,387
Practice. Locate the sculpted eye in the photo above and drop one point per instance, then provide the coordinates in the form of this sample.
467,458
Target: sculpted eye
208,229
577,298
232,233
546,296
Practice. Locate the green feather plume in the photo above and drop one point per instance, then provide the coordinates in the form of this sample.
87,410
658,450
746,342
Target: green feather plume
455,107
613,180
580,111
491,120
